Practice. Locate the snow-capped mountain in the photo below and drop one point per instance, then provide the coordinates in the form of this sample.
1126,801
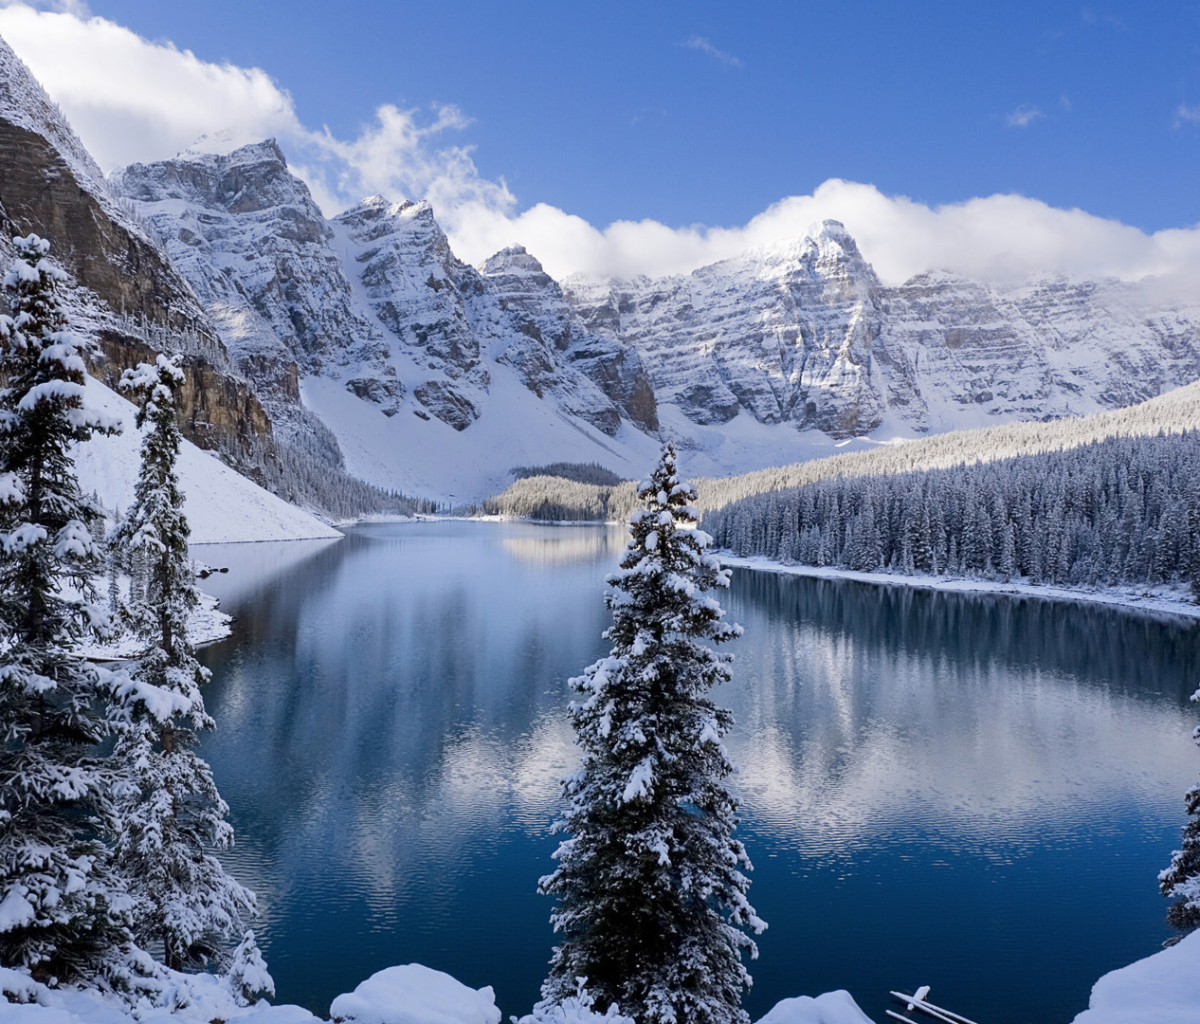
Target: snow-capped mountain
374,306
805,333
364,336
256,250
770,357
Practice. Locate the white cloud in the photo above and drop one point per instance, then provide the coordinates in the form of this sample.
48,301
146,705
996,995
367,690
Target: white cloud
1023,117
130,99
726,60
998,238
1185,114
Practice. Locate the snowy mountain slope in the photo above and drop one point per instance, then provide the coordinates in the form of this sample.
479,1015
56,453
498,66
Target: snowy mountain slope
426,456
222,505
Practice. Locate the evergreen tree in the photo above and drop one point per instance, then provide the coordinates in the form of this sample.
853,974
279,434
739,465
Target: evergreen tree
1181,880
172,813
61,911
651,890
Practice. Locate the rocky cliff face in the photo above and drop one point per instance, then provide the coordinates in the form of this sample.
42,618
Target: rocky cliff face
456,322
784,334
256,250
374,299
125,290
805,333
534,308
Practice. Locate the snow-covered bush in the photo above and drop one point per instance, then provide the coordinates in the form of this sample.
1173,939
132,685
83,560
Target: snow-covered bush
246,973
1181,880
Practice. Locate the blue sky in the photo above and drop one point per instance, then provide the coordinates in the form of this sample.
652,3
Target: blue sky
605,111
686,114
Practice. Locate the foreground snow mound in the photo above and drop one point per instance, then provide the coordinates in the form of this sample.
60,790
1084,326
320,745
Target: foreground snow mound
1161,989
413,994
831,1008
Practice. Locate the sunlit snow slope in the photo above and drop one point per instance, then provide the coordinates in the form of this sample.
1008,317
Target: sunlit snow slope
222,505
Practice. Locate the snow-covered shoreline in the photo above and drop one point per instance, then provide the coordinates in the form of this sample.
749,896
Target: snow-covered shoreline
206,625
1159,989
1134,599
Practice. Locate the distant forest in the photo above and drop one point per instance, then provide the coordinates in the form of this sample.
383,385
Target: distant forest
1108,499
1123,511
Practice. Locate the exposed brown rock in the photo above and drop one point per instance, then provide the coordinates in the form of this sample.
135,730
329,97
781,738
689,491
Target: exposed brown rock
40,193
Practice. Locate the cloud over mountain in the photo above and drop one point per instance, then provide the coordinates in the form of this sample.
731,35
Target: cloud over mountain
132,99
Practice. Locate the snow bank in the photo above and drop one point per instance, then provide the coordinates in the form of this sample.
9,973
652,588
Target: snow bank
222,505
414,994
1161,989
185,999
1161,601
831,1008
206,625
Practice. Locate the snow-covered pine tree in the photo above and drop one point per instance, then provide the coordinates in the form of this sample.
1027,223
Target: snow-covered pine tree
651,887
61,911
171,812
1181,881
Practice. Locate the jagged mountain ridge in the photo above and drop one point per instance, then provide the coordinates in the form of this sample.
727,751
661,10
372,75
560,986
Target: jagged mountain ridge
374,299
805,333
436,377
761,359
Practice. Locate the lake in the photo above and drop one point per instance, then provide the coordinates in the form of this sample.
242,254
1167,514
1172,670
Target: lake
969,791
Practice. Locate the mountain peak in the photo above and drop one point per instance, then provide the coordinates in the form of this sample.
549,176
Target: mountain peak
513,259
832,237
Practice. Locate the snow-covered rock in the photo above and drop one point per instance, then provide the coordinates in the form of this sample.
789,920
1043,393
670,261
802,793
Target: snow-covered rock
414,994
1161,989
829,1008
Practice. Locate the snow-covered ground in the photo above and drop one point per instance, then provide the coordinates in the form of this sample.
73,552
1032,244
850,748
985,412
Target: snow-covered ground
1161,989
428,458
206,625
222,505
1161,600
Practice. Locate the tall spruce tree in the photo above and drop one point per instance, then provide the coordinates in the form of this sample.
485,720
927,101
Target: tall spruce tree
651,887
61,910
1181,880
171,812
